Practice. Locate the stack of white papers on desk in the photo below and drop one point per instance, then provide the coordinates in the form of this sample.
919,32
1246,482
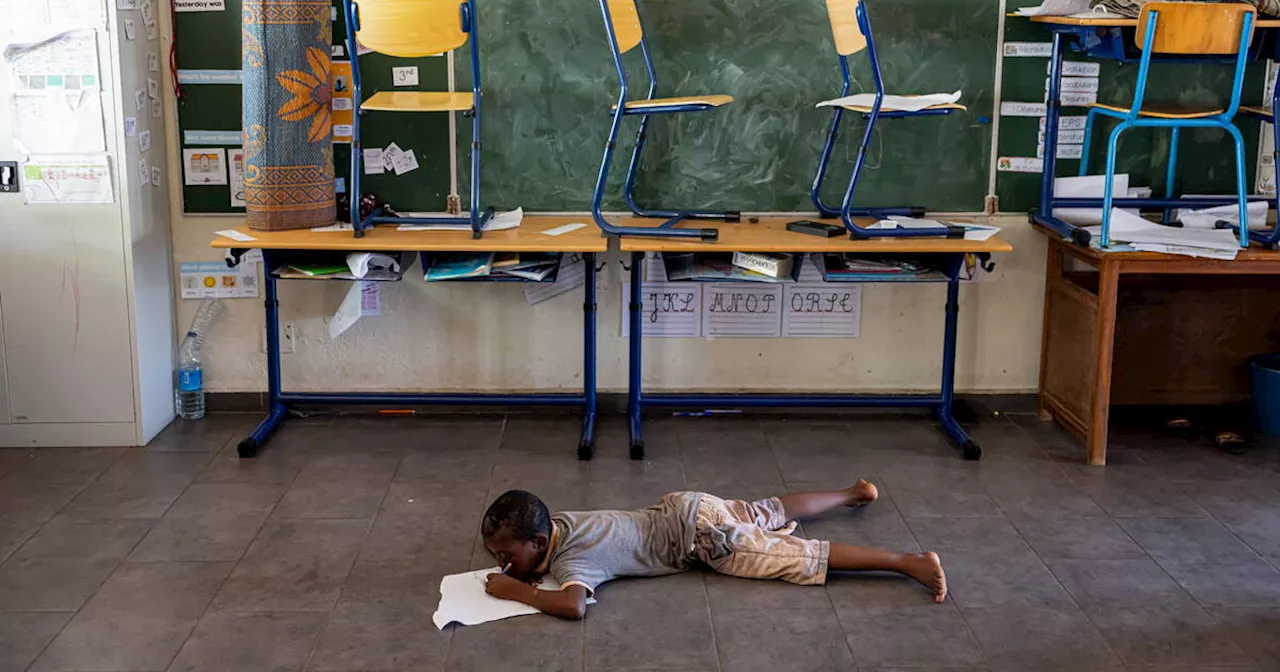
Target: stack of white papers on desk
1148,236
894,103
500,221
1092,186
1208,218
1056,8
971,231
463,600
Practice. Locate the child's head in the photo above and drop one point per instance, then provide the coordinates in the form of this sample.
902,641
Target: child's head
517,531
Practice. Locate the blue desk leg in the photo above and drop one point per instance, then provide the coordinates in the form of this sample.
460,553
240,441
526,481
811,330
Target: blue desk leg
945,410
278,410
636,334
587,446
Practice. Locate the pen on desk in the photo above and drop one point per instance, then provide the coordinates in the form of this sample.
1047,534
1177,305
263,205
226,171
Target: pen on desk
706,414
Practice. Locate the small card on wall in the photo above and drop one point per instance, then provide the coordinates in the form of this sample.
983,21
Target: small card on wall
140,100
148,12
151,31
144,141
204,166
130,29
406,76
213,280
123,5
144,172
1019,164
153,89
406,162
153,62
130,127
373,162
156,111
156,176
235,162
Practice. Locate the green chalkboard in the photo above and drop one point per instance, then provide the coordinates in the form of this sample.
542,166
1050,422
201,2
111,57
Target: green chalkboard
550,81
211,41
1206,165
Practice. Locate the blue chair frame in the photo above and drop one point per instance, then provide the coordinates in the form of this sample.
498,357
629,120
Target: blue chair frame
620,110
475,218
1133,119
845,211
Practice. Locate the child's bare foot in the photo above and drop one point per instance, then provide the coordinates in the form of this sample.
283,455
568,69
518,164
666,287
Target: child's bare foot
927,569
862,493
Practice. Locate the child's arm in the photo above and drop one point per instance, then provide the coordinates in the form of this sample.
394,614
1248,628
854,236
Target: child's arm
570,603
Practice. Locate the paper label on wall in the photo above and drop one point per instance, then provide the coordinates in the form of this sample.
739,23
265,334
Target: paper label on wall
1067,123
144,173
235,163
61,122
572,275
130,29
140,100
124,5
210,77
155,109
68,61
389,156
1014,109
405,162
156,176
370,299
343,101
148,12
1078,99
1077,84
151,32
1065,151
741,309
405,76
1025,49
668,309
130,127
821,310
1081,69
199,5
1066,137
1019,164
153,63
153,89
349,311
144,141
204,166
214,280
67,179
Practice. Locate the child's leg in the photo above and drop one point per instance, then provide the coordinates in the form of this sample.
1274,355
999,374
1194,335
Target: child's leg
809,504
923,567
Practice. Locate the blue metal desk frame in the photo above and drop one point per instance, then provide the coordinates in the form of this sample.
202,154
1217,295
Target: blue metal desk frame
1115,42
280,402
942,403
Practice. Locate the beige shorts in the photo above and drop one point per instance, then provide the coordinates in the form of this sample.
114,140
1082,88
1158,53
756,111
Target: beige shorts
753,540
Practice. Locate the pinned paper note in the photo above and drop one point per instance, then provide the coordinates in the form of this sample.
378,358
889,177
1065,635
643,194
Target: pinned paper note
389,156
155,109
66,61
61,122
140,100
204,166
405,76
67,179
144,141
668,310
153,63
148,12
405,162
153,89
151,32
130,127
826,310
373,161
130,29
746,309
144,173
572,275
156,176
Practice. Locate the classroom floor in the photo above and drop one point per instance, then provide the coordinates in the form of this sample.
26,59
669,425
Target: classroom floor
326,552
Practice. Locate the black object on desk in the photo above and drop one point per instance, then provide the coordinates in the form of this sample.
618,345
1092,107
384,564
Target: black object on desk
816,229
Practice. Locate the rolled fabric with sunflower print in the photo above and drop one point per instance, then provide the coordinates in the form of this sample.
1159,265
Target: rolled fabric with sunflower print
288,127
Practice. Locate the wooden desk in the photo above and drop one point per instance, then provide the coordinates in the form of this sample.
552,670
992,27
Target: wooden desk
529,237
1112,22
770,235
1079,340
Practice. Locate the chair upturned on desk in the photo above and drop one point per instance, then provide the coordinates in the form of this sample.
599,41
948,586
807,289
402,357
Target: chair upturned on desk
529,237
769,234
1141,328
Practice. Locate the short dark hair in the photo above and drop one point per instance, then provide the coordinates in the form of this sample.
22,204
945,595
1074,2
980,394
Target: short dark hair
521,513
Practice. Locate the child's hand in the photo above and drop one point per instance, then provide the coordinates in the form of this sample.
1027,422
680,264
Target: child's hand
505,587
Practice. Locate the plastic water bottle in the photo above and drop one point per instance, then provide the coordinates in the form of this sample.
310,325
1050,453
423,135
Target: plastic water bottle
188,395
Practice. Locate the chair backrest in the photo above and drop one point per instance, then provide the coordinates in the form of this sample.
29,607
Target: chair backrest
844,26
411,28
1195,28
626,24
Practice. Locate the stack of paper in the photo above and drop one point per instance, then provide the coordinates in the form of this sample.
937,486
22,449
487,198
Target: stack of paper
1056,8
894,103
1148,236
971,231
1092,186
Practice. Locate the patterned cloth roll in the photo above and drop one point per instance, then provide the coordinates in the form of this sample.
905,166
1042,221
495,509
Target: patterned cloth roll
288,130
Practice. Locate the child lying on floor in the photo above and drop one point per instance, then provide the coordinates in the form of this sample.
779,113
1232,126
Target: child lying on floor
748,539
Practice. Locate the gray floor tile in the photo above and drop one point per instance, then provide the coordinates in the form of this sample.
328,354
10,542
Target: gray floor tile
1020,638
356,499
33,501
358,465
1104,585
210,522
1248,582
628,495
667,469
935,491
732,593
426,520
278,463
1255,630
1021,580
142,484
877,525
870,593
376,638
64,563
66,465
515,468
1131,494
1187,541
548,434
821,453
12,458
23,635
138,619
914,637
449,451
656,622
1078,538
1162,636
991,536
13,534
209,435
538,642
293,565
749,640
1051,498
261,642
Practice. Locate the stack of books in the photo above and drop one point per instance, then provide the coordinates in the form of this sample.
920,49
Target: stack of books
711,267
534,267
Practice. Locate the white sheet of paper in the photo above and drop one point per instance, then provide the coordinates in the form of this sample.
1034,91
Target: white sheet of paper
58,122
348,313
389,156
151,31
235,235
572,275
561,230
24,18
144,141
370,299
130,127
334,228
130,29
67,61
373,162
140,100
1207,218
144,173
1089,186
905,103
1130,228
64,179
155,109
822,310
741,310
500,221
405,162
669,309
405,76
1184,251
153,63
148,12
156,176
361,262
463,600
1055,8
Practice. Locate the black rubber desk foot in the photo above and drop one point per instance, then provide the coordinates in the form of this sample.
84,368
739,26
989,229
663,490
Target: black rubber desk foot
359,233
1081,237
248,448
586,450
637,451
971,451
709,235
